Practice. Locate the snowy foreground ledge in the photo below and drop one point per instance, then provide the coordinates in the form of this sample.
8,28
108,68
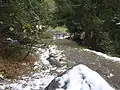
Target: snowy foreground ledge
79,77
103,55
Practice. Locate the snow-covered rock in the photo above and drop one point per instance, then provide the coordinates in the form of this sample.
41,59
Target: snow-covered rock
1,76
80,77
103,55
52,56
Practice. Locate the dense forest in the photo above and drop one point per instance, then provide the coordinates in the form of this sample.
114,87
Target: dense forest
92,23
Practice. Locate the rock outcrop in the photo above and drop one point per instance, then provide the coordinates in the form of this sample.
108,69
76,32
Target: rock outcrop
80,77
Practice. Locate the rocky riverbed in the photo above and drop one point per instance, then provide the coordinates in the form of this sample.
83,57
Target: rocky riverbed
56,59
50,63
108,67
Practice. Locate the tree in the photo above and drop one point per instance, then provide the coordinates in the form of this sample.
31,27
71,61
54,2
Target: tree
94,17
18,22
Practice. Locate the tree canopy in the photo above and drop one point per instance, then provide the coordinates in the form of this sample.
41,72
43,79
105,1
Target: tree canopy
22,22
98,19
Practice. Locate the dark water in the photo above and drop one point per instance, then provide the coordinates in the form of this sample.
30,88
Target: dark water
75,54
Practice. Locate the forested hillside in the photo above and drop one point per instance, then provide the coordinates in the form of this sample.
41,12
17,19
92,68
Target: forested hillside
94,23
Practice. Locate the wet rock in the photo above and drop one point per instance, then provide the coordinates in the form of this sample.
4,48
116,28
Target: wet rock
80,77
54,61
1,77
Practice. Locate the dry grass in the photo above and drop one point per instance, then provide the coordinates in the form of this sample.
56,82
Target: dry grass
14,67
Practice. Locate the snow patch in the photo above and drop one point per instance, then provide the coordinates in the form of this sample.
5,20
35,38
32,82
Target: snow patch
53,54
42,76
1,76
37,81
103,55
118,23
80,77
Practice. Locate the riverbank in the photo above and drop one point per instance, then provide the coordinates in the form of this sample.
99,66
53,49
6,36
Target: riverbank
108,67
55,59
12,68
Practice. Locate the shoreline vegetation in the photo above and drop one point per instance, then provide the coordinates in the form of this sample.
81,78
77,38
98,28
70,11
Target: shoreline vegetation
12,68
